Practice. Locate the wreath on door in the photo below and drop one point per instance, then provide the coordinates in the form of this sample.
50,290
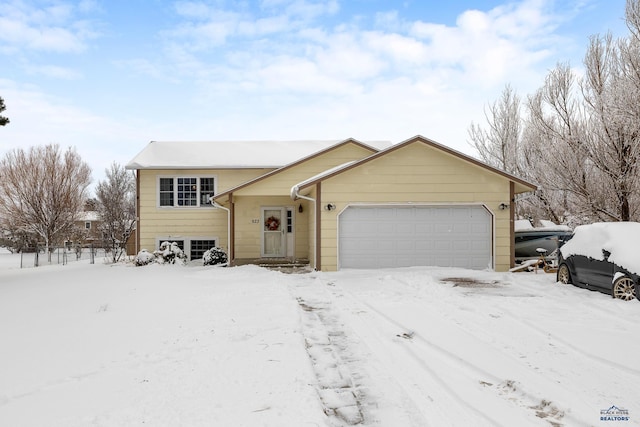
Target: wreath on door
272,223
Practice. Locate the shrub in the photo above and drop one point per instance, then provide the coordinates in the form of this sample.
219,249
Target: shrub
214,256
170,253
144,257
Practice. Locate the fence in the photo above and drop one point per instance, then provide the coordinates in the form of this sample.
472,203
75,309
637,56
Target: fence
35,257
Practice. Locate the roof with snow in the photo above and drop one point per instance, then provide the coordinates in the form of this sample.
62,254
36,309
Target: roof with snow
89,216
229,154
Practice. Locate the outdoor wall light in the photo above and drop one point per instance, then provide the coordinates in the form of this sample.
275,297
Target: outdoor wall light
300,208
330,207
503,206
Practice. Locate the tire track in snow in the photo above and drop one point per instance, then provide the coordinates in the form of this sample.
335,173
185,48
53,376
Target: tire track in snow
339,383
505,387
394,328
576,350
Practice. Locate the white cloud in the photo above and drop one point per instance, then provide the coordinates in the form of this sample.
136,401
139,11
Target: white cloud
490,47
401,49
54,28
483,47
312,9
193,10
40,119
395,79
54,71
281,72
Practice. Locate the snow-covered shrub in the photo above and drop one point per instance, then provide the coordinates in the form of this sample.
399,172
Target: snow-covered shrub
214,256
144,257
170,253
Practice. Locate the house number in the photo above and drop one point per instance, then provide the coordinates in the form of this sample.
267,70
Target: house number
255,221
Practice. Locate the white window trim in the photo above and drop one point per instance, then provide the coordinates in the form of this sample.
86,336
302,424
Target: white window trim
187,242
175,190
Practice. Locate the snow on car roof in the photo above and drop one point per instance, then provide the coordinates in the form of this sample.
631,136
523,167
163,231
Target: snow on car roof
618,238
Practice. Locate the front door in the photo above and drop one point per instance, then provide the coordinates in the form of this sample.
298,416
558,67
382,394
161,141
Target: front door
274,223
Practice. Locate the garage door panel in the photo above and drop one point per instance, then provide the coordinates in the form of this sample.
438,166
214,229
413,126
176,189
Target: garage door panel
393,236
423,245
406,227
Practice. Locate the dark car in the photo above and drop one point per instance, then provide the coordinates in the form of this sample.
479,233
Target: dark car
602,257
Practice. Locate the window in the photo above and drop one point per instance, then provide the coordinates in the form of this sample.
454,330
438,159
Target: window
185,191
166,191
206,191
199,247
180,243
87,225
193,248
289,221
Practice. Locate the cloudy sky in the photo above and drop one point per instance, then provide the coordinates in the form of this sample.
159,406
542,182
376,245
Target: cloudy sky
108,76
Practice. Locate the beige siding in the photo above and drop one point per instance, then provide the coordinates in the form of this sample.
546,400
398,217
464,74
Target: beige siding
281,183
181,223
417,174
311,229
275,190
249,224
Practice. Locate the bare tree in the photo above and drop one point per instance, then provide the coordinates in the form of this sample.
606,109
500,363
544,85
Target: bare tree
42,191
611,93
580,141
554,146
116,208
632,18
499,145
3,120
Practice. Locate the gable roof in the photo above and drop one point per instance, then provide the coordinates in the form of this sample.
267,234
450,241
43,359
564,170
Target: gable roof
521,185
228,154
293,164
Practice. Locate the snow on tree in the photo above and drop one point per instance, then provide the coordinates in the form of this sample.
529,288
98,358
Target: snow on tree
117,209
580,140
42,191
499,144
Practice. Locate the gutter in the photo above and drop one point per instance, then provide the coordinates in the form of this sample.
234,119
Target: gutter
215,205
295,195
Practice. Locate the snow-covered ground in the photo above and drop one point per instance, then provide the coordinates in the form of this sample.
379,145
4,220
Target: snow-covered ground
100,345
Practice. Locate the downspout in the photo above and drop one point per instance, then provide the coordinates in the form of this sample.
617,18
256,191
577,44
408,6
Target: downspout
215,205
295,195
137,176
512,234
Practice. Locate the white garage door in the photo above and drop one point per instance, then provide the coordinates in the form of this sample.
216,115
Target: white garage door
404,236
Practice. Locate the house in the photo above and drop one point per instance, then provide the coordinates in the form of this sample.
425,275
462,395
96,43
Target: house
86,230
339,204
